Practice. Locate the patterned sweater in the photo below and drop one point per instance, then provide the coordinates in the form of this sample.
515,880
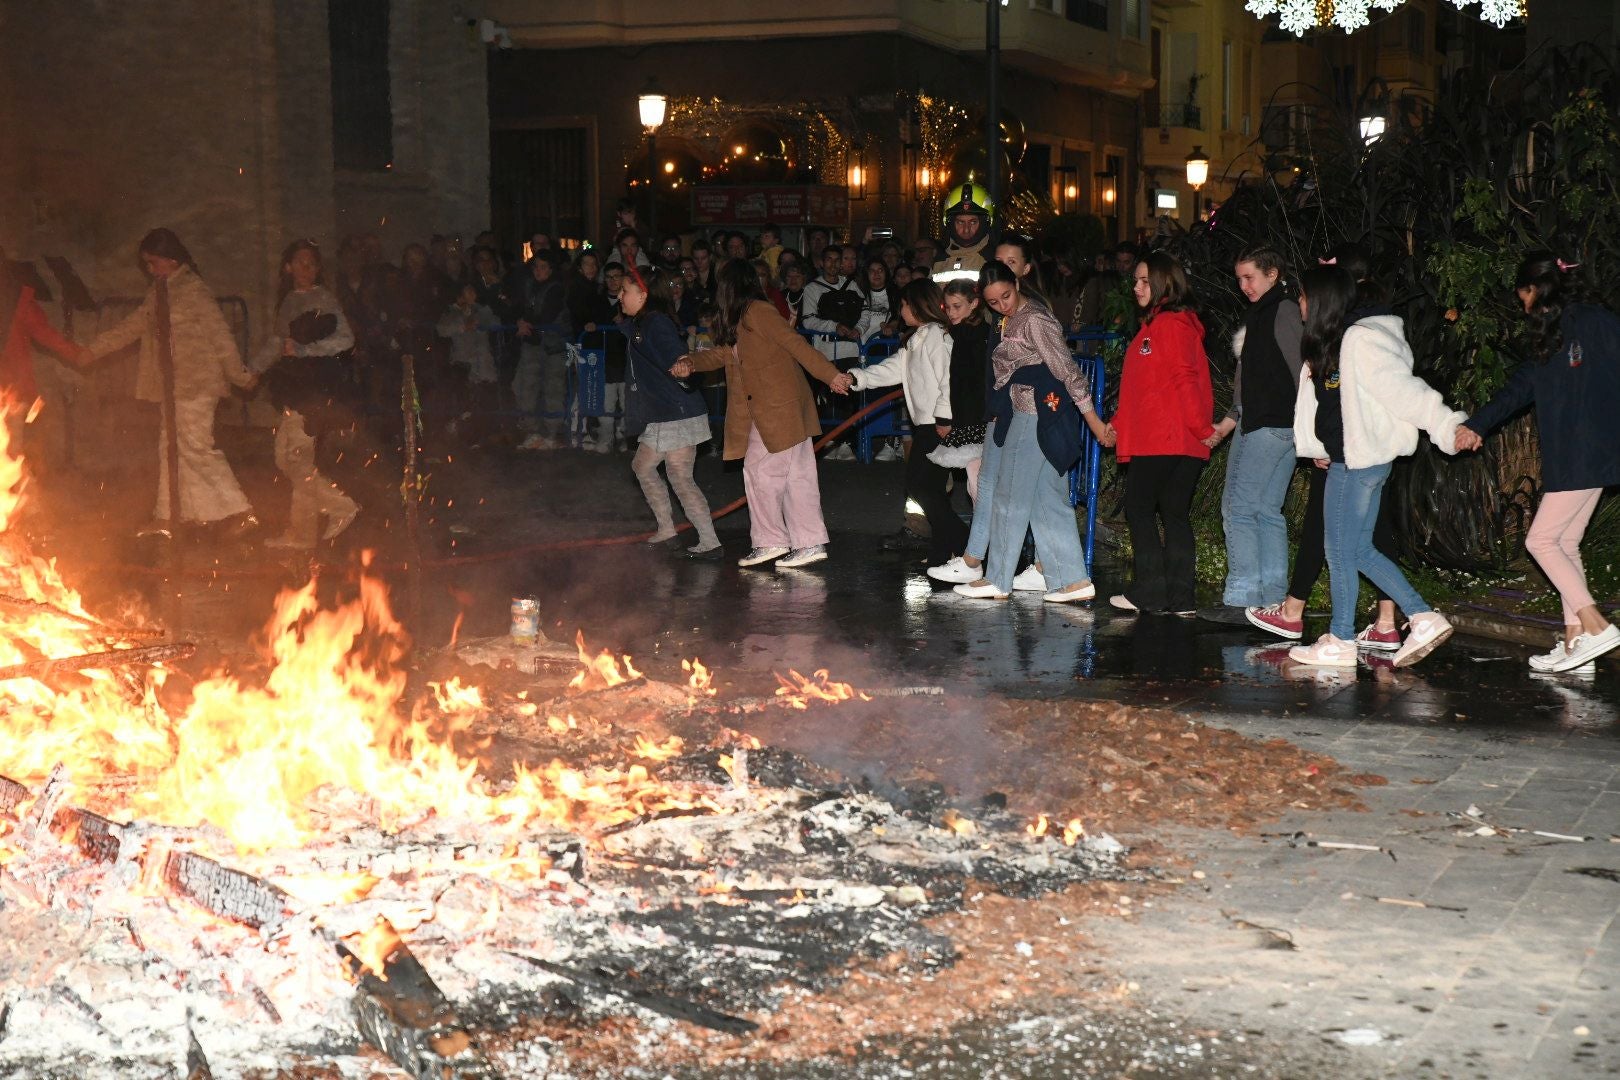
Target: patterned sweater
1032,335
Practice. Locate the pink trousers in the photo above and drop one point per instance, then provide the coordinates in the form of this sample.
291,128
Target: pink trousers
1555,543
784,495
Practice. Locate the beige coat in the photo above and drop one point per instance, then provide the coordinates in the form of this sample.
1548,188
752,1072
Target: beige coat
765,387
204,350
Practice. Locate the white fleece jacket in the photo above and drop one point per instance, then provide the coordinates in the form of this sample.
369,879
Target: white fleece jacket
923,368
1384,404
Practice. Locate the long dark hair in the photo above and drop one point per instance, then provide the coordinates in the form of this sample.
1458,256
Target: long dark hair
736,286
288,253
1168,289
1330,296
1031,282
1554,290
1356,260
165,245
926,300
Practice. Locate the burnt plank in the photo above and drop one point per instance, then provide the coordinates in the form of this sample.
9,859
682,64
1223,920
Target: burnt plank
406,1016
44,670
663,1004
230,894
11,794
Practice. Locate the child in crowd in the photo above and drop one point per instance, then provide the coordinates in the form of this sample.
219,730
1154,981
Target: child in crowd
1360,410
923,368
1573,382
1163,422
1261,461
665,416
1286,619
770,245
961,443
466,325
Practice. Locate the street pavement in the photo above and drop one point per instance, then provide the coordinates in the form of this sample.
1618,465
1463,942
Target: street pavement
1512,967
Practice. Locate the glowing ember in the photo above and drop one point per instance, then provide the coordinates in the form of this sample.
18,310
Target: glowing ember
798,692
646,748
602,671
1073,832
1038,827
958,824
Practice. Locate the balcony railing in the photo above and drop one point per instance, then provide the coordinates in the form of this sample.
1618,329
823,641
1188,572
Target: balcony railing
1184,115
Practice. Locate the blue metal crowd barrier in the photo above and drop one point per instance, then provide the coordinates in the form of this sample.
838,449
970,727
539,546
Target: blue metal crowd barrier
1085,479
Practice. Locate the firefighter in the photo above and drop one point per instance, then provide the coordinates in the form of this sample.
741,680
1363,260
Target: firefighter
967,229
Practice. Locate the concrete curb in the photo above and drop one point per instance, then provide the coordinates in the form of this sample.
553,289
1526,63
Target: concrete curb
1506,628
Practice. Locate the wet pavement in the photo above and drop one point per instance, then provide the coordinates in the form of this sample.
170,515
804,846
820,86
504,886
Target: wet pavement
1521,982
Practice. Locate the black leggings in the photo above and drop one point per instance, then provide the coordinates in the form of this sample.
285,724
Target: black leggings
1160,488
1311,558
926,482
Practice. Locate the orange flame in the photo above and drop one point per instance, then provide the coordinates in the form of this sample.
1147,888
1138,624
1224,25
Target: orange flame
1038,827
602,671
670,747
373,945
1073,832
700,680
799,691
958,824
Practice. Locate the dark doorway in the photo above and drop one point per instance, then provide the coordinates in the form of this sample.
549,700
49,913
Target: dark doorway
540,181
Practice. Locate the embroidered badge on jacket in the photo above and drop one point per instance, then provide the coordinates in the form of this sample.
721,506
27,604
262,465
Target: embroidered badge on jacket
1051,401
1147,346
1574,354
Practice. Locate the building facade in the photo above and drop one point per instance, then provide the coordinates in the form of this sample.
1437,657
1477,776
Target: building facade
885,97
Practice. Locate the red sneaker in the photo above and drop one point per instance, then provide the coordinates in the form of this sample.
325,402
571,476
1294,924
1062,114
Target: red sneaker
1381,640
1271,620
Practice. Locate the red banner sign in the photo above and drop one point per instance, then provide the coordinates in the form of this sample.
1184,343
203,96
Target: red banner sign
799,204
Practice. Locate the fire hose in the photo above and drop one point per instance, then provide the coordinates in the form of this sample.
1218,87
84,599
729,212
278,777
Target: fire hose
732,507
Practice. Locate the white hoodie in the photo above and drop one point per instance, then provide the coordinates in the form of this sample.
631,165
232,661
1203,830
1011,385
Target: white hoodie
1384,404
923,368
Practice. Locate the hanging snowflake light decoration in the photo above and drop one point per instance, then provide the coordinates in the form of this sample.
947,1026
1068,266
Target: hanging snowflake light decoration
1298,16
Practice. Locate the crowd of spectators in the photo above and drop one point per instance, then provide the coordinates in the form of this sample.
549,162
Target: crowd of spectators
490,327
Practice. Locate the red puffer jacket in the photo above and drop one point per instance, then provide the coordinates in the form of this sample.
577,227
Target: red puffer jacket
1165,401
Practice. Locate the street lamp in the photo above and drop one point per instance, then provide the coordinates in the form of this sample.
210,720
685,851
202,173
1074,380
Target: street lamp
1372,129
1067,187
651,105
1197,176
857,173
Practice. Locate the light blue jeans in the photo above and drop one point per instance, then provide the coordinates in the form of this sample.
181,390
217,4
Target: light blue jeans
1258,468
1349,512
978,544
1031,494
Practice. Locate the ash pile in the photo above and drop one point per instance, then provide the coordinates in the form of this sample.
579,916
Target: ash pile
634,855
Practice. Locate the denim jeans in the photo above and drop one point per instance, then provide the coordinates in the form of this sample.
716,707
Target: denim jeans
978,544
1258,467
1031,494
1349,513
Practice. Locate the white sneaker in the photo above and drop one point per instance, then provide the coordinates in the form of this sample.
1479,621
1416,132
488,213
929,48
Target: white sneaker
1424,634
841,452
981,590
762,555
1123,603
958,572
1328,651
1084,590
1030,580
1545,661
1587,647
803,557
889,452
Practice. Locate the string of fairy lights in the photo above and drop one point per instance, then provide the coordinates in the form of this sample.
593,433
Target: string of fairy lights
1299,16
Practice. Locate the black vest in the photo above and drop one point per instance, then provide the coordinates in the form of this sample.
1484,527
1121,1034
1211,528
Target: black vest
1268,389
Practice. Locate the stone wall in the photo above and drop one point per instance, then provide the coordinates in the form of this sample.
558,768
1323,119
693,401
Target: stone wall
215,119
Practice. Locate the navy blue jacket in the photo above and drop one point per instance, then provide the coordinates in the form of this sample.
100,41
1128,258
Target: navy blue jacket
1576,394
652,394
1057,418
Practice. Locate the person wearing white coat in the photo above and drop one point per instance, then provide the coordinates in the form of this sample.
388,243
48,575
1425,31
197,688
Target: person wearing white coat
922,367
1359,410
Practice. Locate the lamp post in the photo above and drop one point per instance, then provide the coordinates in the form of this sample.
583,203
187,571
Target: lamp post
992,54
651,105
1198,176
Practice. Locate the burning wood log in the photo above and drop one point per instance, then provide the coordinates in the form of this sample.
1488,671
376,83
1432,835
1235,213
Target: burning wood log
40,606
43,670
11,793
403,1013
230,894
663,1004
